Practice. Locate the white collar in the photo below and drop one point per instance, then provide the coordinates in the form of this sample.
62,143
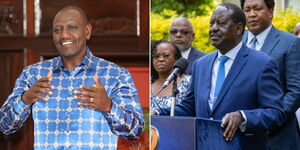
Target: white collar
232,53
185,54
261,37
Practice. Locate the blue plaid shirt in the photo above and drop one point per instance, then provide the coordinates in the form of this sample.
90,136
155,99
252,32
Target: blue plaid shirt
60,123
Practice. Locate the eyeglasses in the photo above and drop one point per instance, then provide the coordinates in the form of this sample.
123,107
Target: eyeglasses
182,32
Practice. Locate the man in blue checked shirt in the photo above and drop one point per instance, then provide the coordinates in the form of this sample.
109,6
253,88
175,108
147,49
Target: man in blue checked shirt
78,101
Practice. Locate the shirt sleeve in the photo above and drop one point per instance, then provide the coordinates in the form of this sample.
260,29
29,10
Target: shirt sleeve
126,117
244,123
14,111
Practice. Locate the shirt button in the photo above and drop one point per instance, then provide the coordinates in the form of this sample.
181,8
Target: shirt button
211,118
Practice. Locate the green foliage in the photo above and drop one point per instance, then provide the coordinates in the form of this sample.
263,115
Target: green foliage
286,20
160,29
183,7
160,25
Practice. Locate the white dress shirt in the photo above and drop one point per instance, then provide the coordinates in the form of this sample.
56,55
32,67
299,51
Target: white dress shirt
261,37
185,54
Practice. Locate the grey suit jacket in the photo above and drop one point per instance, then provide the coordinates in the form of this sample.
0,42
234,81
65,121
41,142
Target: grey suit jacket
284,47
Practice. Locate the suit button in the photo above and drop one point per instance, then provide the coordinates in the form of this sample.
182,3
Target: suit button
211,118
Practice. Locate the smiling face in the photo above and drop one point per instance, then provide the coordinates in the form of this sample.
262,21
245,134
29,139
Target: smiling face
258,15
70,32
181,33
223,32
164,58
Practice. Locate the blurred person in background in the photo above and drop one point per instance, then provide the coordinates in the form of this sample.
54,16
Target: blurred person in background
163,56
182,34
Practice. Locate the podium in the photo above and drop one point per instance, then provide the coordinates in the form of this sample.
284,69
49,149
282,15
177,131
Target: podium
192,133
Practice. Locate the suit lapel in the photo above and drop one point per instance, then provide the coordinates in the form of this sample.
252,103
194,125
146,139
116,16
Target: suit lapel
270,41
192,54
207,78
235,69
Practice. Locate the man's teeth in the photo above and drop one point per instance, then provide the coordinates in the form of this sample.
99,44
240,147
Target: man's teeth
65,43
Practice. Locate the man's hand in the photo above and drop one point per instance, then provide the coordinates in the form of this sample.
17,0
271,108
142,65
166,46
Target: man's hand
231,122
40,86
94,97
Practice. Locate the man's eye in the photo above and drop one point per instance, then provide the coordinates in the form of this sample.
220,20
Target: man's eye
72,27
173,32
257,9
57,30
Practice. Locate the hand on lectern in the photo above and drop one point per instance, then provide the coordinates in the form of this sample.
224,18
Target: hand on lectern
231,122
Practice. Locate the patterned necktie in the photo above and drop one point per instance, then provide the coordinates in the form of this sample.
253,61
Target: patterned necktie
253,43
220,77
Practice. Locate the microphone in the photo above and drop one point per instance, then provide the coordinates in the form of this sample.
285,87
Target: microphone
178,68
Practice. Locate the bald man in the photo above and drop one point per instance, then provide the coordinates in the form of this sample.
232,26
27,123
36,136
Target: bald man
297,30
182,34
78,101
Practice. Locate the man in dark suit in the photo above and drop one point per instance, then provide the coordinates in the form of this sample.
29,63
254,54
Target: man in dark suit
182,34
284,47
235,84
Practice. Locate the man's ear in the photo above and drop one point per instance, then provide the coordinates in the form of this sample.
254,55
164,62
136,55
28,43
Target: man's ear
240,28
271,10
88,31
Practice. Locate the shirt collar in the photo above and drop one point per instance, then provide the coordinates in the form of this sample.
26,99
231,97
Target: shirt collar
86,62
185,54
260,37
232,53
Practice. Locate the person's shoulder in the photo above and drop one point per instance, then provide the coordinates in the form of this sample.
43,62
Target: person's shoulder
258,56
44,64
102,64
197,52
206,57
285,35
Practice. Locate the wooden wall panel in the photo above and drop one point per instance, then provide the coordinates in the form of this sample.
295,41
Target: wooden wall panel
109,18
11,18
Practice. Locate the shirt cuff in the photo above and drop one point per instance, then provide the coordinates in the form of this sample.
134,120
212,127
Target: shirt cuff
113,110
156,112
20,105
244,123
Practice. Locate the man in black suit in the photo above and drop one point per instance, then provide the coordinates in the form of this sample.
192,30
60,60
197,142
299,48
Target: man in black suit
182,34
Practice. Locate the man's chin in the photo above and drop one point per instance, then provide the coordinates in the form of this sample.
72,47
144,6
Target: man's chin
182,48
255,30
66,54
215,43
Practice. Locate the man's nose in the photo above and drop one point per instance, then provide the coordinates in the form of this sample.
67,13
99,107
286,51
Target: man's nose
252,13
178,34
213,27
65,34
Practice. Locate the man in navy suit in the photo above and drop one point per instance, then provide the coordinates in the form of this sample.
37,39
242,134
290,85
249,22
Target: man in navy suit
182,34
248,98
284,47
